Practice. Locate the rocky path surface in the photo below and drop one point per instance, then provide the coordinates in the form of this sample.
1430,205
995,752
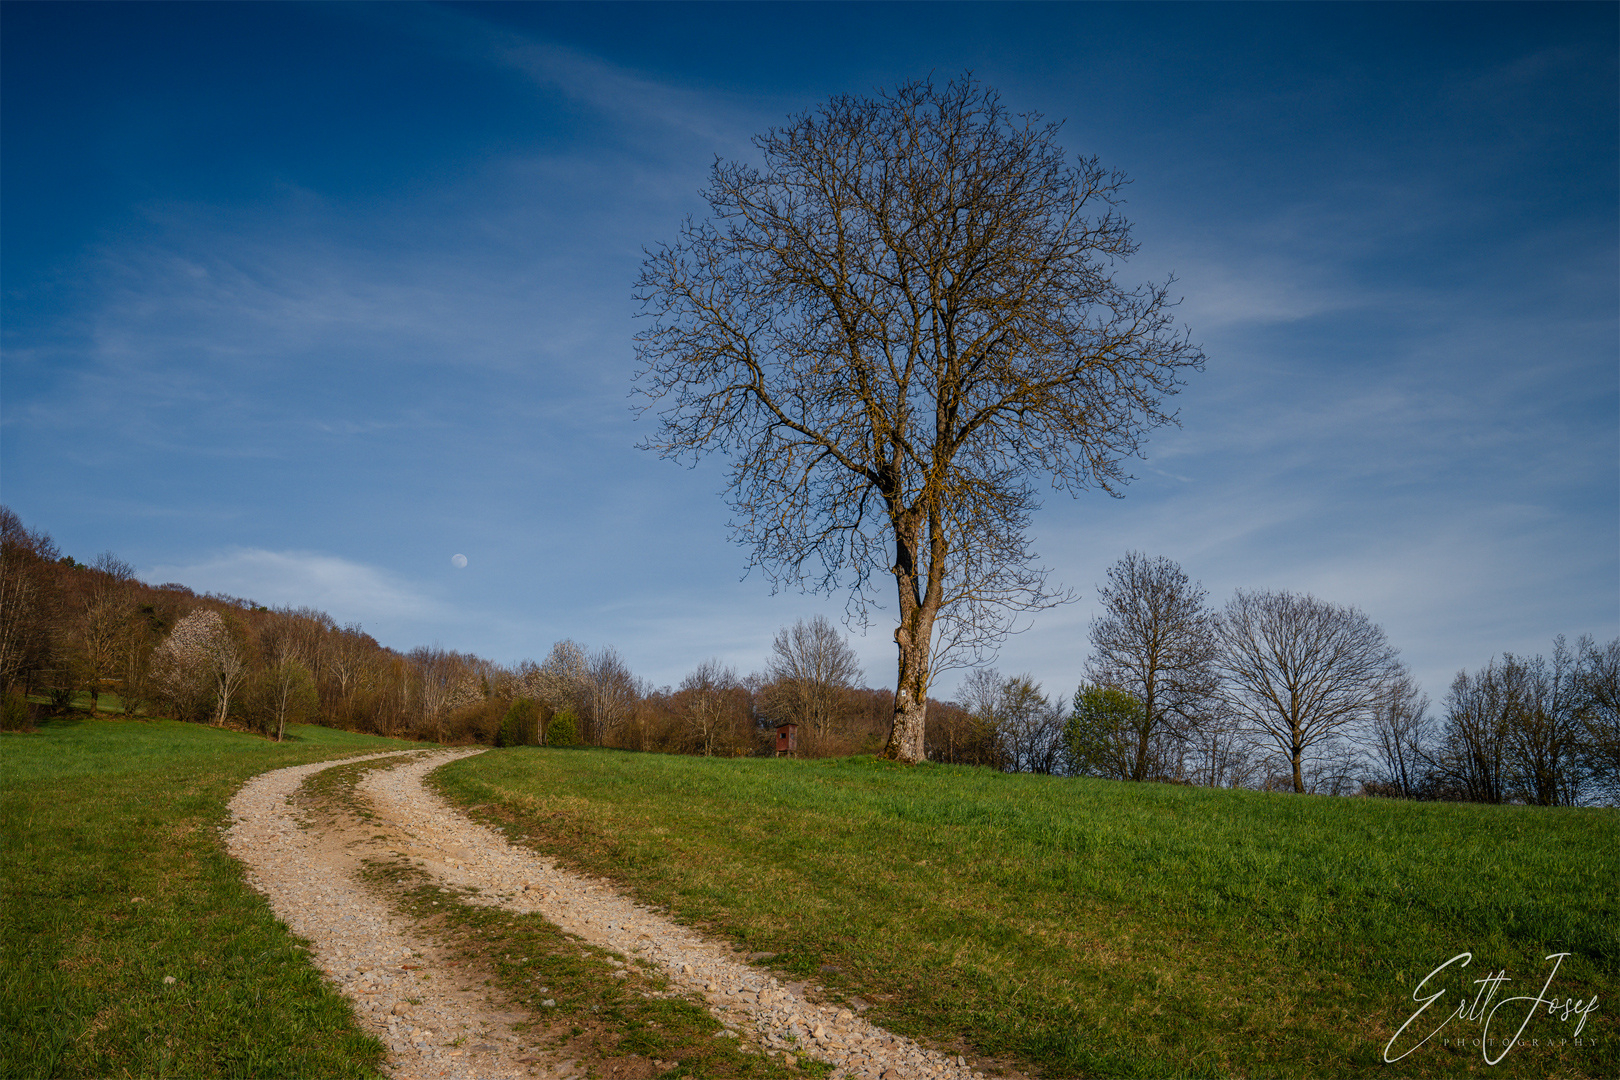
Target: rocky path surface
310,876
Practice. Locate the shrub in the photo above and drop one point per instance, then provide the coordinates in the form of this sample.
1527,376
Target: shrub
478,722
521,724
16,714
563,729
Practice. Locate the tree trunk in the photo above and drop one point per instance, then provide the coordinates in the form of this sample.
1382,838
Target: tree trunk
914,635
906,737
911,690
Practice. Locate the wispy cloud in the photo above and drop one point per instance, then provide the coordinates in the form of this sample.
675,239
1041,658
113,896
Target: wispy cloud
346,590
632,100
1223,294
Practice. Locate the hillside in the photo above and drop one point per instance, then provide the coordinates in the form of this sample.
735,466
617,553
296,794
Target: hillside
1084,927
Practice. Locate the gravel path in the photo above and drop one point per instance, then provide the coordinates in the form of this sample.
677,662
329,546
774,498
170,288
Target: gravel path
371,954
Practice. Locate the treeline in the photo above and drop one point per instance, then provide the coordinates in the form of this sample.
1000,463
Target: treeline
1286,692
1275,690
72,633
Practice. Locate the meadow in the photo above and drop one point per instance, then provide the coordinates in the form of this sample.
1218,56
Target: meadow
1060,927
1091,928
116,879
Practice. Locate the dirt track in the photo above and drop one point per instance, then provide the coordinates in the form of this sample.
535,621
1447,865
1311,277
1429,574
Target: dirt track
309,871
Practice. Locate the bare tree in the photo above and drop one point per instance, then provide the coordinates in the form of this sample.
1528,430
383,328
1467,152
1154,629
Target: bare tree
345,662
1471,760
287,687
610,694
811,670
27,608
1027,728
1544,732
1400,734
1156,641
1301,670
896,327
444,681
708,698
102,630
1598,708
1222,751
1513,732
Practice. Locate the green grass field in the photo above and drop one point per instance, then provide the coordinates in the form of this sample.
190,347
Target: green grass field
1066,927
1079,927
115,877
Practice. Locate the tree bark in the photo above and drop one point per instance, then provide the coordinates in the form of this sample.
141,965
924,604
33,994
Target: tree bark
914,636
906,737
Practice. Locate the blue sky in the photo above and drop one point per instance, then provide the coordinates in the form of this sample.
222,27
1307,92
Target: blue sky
300,301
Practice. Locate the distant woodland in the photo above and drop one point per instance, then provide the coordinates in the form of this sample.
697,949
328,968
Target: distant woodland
77,637
1275,691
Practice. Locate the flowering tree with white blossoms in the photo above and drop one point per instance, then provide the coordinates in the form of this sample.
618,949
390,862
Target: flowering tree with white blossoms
200,663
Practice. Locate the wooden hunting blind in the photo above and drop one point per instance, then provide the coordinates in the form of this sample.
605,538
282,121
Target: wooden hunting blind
787,739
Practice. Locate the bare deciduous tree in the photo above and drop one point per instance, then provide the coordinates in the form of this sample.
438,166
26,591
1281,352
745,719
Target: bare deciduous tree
1156,641
1027,728
1302,670
1221,751
1513,732
25,602
286,686
1598,709
102,629
1400,735
1471,762
811,670
610,694
445,681
708,697
1544,733
895,327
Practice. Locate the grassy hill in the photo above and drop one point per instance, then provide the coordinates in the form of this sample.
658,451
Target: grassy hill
1081,927
1069,927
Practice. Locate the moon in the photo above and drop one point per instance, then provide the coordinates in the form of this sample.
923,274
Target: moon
458,561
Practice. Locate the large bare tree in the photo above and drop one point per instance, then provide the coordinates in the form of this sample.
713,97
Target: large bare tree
896,324
1155,640
1302,671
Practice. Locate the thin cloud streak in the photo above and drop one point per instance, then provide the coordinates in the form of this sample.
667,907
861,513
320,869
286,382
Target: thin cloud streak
346,590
